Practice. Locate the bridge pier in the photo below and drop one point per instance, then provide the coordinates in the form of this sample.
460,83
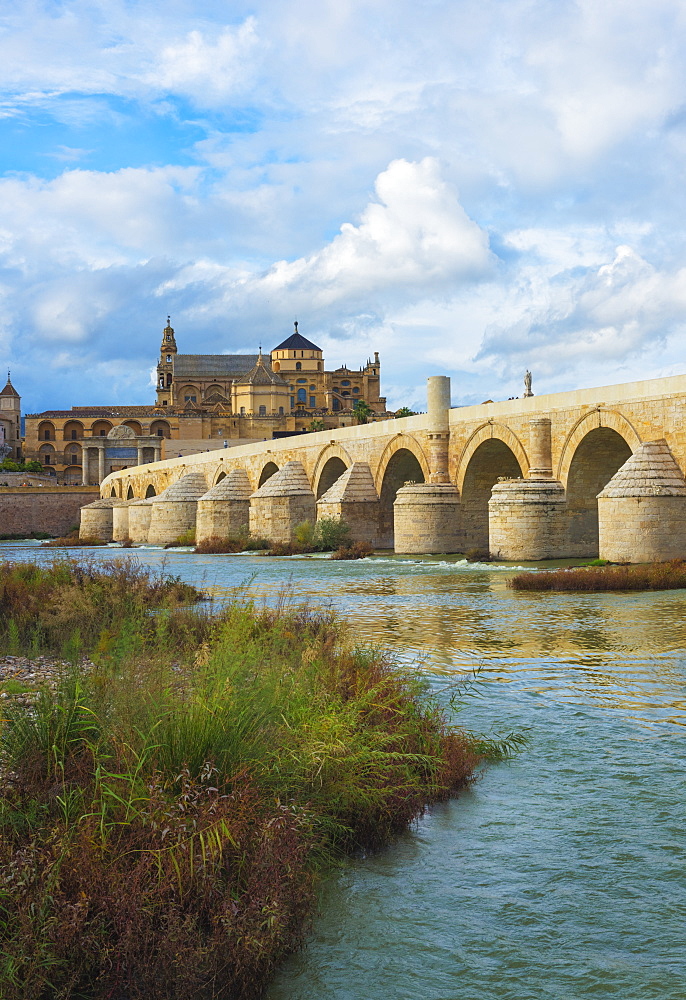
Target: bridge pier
283,502
642,510
353,499
224,511
527,518
428,519
174,511
140,513
120,520
96,519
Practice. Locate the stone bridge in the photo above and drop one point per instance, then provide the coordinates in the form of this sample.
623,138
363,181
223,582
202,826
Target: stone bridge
557,452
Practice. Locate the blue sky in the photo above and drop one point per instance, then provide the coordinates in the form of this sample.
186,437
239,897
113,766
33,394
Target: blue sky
470,188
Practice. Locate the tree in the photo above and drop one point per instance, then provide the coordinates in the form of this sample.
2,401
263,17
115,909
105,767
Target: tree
317,424
363,411
405,411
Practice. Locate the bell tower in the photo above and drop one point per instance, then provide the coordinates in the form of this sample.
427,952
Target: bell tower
165,368
10,422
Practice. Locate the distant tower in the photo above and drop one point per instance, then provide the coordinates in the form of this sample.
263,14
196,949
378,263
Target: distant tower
10,421
165,368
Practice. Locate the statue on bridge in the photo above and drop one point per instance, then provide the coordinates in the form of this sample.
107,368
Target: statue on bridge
527,384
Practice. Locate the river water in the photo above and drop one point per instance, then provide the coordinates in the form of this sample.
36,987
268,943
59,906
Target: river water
559,875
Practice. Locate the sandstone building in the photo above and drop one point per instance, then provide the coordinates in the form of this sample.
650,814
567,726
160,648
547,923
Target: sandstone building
203,402
10,422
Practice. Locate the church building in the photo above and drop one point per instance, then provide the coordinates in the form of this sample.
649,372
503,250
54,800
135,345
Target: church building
206,401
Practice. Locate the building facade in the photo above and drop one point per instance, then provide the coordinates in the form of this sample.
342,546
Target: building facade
203,402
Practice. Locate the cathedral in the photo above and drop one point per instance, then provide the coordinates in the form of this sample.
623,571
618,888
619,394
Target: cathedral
206,401
291,380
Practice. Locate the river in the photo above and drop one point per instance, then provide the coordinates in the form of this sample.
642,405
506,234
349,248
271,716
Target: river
558,875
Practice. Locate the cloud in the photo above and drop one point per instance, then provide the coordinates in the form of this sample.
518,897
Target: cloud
415,234
593,320
209,71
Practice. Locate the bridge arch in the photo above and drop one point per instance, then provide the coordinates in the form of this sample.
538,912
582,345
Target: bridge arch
268,470
330,466
493,452
402,461
150,492
598,418
487,432
221,474
598,445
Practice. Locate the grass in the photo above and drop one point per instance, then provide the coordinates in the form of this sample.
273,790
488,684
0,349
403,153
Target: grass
73,540
13,686
603,577
354,550
165,816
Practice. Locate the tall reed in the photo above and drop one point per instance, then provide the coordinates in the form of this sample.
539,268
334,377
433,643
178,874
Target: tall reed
163,816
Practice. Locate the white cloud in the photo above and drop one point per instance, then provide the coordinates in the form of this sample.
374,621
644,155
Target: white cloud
415,233
209,71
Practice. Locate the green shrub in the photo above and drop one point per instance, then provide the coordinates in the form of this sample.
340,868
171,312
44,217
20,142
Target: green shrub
184,539
304,535
331,533
356,550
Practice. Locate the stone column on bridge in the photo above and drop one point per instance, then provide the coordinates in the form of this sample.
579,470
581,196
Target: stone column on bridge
438,420
540,449
283,502
427,517
642,510
353,498
174,511
224,511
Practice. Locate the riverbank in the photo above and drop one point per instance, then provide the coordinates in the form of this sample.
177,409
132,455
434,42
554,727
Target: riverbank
167,810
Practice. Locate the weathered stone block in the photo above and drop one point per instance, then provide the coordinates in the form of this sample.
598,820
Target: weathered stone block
428,519
527,520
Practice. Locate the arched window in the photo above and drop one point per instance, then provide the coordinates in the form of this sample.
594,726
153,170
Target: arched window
313,388
302,395
298,366
356,389
281,411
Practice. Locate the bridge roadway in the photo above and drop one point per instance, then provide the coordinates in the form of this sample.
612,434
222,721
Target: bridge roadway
590,435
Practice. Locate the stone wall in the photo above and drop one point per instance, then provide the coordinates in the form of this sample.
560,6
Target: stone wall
48,509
